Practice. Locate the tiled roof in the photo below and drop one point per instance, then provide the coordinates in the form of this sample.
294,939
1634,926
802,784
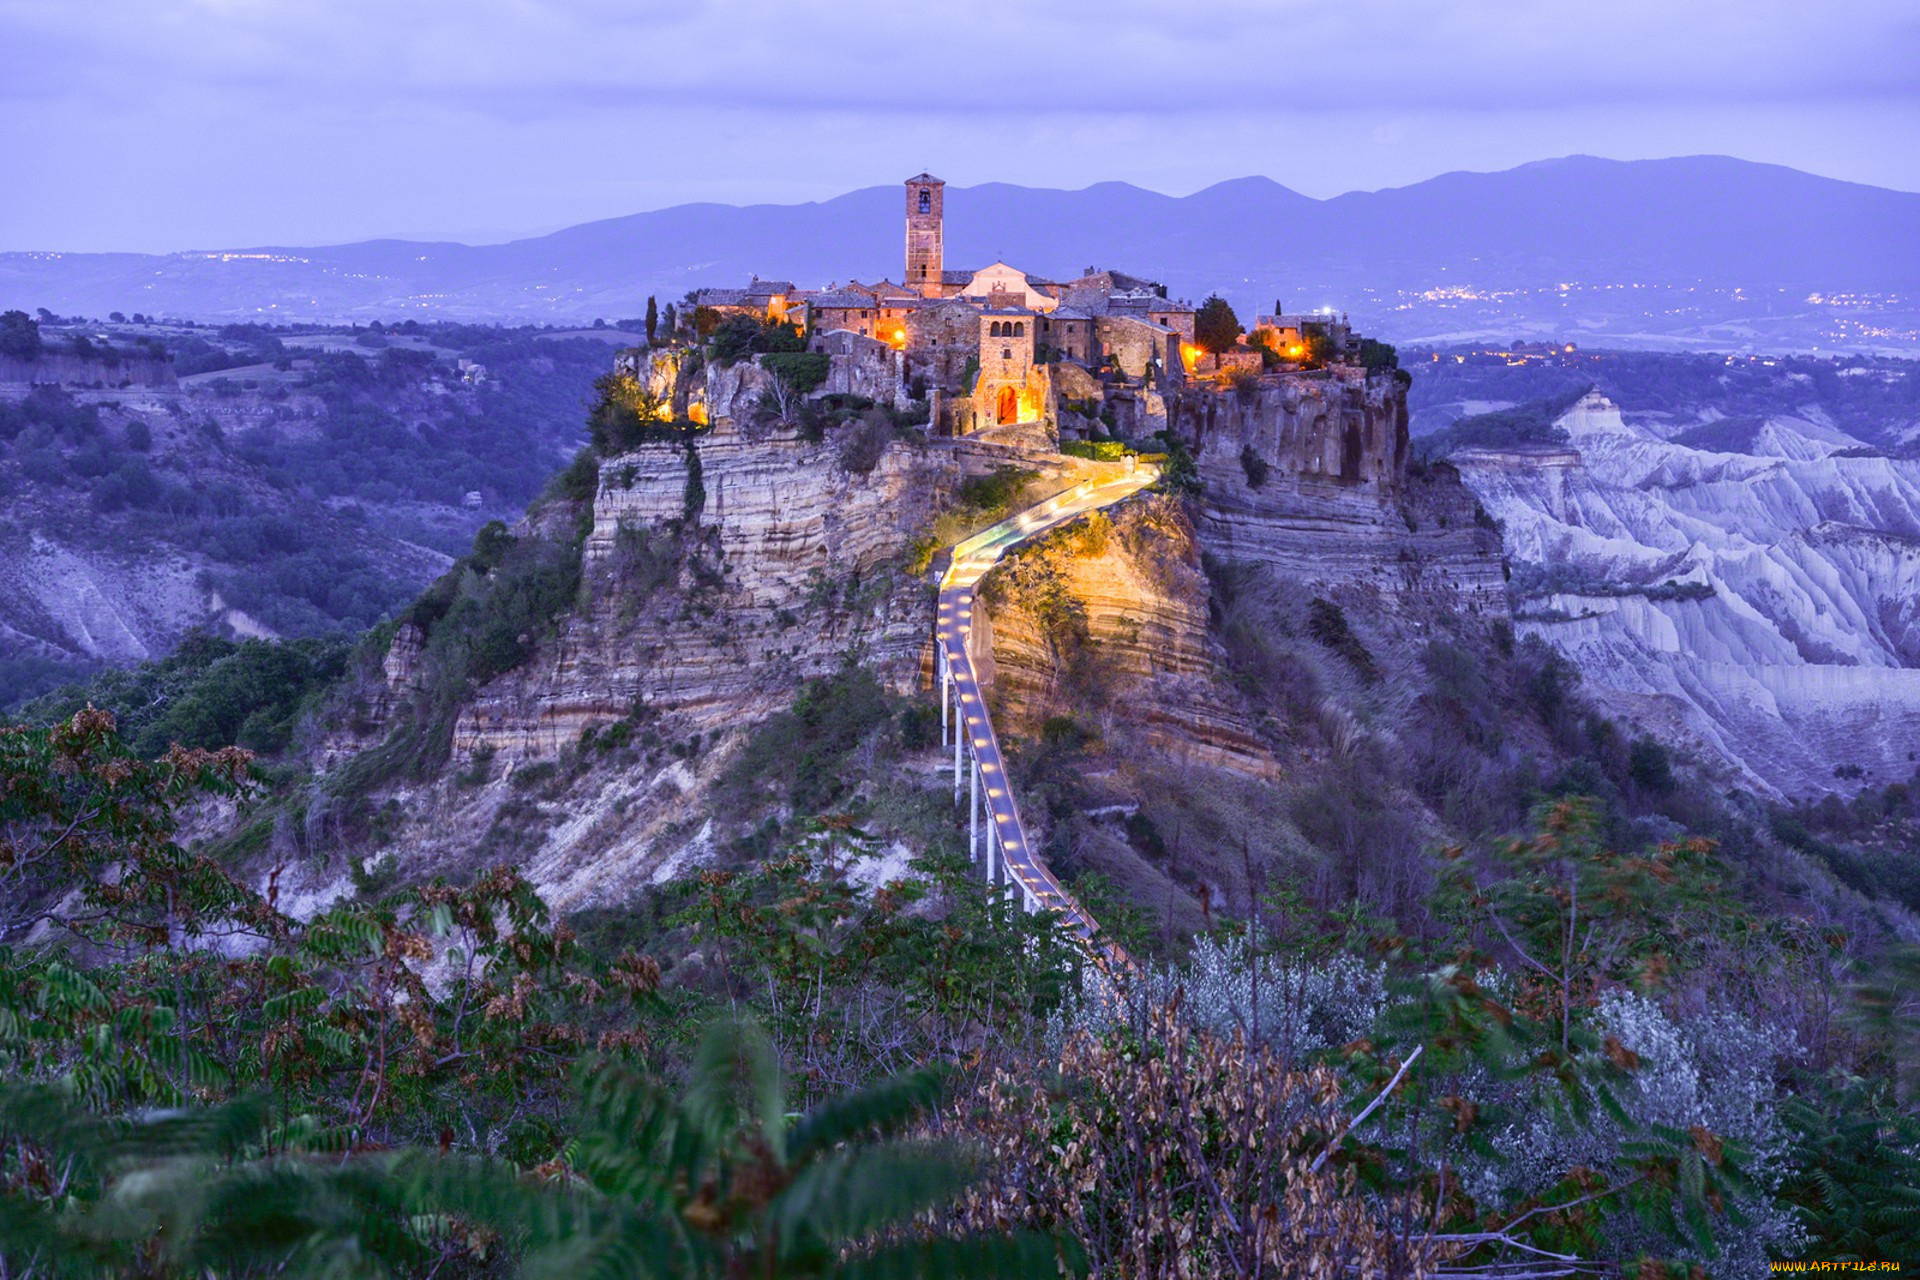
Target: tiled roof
841,298
925,177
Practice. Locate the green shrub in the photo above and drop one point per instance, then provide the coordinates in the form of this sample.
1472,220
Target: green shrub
802,752
1095,450
209,693
734,339
1327,623
804,371
1255,467
995,491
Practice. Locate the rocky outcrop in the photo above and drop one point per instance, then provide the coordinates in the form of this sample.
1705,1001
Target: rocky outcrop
1308,475
58,369
712,596
1336,426
1107,621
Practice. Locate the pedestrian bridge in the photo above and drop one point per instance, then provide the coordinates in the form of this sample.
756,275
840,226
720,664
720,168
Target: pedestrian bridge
996,836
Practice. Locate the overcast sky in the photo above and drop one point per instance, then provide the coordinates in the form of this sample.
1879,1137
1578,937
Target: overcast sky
168,124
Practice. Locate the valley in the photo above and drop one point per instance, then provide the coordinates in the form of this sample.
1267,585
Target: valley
257,483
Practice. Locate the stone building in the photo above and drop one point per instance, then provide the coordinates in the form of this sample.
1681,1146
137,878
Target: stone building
926,234
1000,347
771,299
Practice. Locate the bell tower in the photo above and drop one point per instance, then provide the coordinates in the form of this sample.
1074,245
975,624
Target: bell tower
924,235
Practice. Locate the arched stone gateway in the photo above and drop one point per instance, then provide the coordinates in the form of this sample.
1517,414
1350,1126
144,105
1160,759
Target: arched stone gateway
1009,406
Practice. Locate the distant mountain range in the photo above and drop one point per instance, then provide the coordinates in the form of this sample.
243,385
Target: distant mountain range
1696,251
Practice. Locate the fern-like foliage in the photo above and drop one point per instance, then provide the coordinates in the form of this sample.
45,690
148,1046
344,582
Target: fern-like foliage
1857,1173
717,1180
712,1180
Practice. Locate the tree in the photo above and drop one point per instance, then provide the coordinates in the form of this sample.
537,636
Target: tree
625,415
1215,327
653,318
1376,355
19,335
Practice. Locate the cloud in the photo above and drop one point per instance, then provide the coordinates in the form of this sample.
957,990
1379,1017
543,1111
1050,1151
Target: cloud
518,57
160,123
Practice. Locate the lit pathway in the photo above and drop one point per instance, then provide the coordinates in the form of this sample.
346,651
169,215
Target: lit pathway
1009,858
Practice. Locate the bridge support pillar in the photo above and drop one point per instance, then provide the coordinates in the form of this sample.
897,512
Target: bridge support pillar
946,686
956,763
973,808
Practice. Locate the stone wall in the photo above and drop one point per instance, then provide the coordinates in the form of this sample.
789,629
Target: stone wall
1134,343
863,367
940,340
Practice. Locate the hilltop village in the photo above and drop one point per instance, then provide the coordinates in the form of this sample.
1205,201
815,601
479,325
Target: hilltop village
1013,357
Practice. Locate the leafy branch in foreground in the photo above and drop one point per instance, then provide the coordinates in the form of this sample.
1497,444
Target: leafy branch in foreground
713,1180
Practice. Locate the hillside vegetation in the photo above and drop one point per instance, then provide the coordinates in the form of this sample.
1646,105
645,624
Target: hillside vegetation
300,482
1443,969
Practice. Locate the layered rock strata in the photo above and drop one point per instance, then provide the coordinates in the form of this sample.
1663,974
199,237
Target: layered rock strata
1308,474
1107,621
1759,605
715,600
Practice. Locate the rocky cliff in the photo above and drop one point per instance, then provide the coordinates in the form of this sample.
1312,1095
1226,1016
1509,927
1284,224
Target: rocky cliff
1308,474
1107,621
60,369
715,581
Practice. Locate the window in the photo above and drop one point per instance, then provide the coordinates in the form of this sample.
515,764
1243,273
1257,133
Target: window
926,200
1019,329
993,330
1006,353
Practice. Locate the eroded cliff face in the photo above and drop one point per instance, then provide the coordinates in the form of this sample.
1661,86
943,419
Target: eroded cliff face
1308,474
1335,426
714,583
1757,605
61,369
717,579
1107,621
